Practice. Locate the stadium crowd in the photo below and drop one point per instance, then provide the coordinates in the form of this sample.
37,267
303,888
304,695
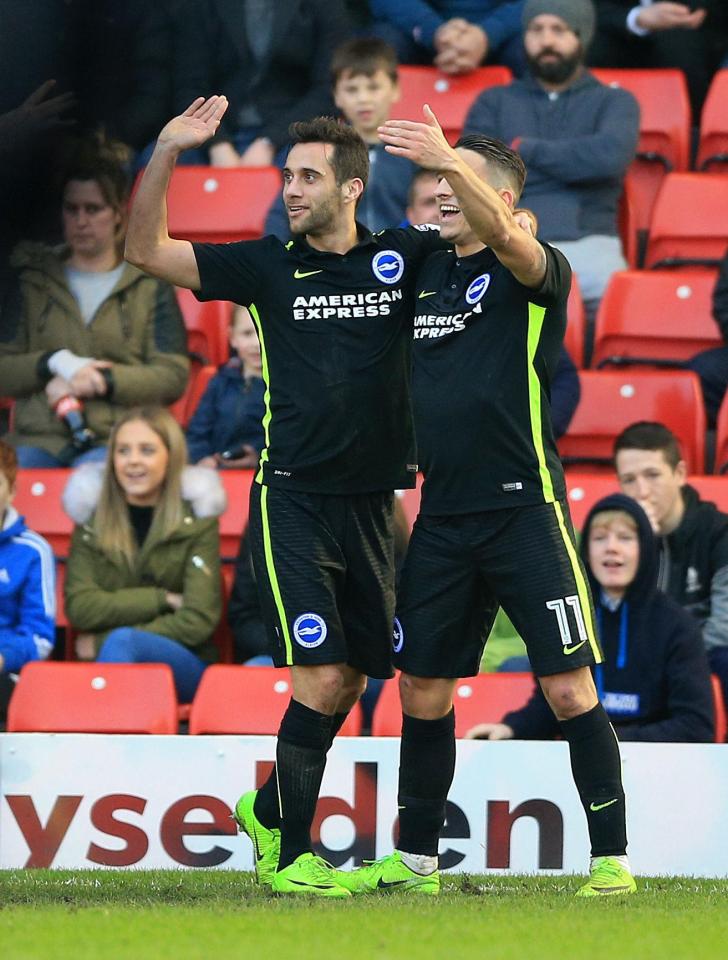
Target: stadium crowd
149,408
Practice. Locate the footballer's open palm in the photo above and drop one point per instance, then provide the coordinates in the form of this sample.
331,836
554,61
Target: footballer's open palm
196,125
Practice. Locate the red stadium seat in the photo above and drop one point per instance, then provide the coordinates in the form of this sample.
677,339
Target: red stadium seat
38,499
664,142
449,97
712,488
180,408
94,698
719,706
713,144
690,221
216,204
481,699
721,438
195,389
631,233
235,519
207,326
583,490
248,700
653,317
575,336
613,399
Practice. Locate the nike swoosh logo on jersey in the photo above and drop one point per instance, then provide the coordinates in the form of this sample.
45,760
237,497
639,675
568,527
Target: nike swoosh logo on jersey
569,650
301,275
426,293
594,807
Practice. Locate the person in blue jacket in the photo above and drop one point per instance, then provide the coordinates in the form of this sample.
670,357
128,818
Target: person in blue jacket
27,583
226,429
654,682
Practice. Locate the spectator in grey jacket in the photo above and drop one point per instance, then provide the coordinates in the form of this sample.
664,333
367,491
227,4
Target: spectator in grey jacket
576,136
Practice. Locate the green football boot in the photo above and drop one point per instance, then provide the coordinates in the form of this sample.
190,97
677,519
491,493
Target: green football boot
308,876
389,874
608,878
266,843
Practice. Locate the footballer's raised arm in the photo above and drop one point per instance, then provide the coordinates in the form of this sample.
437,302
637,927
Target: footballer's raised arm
148,243
486,210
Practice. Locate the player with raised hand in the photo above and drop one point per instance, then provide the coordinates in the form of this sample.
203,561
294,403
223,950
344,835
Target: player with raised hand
494,527
333,309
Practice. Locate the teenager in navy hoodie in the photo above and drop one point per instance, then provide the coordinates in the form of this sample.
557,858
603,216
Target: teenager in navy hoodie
27,584
654,682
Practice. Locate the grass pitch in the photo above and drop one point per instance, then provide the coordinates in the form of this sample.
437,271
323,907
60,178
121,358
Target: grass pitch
185,915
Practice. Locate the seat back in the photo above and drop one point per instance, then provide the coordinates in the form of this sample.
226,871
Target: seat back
94,698
575,336
655,316
217,204
611,400
196,387
583,490
248,700
713,144
450,97
690,221
38,499
719,708
235,518
485,698
206,325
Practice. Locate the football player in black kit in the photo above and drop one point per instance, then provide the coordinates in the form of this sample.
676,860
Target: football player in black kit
333,309
493,528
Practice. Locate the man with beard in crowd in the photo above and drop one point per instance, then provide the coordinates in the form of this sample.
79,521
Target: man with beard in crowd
576,136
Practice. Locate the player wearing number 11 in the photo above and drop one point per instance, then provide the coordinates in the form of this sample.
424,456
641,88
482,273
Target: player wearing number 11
494,526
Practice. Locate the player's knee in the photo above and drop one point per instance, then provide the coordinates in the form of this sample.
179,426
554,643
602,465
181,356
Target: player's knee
568,695
424,697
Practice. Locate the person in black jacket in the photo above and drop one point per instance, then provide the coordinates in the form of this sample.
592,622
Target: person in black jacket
654,682
712,365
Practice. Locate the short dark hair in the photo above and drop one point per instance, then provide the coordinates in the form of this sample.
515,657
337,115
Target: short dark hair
107,162
350,158
500,158
8,463
422,173
647,435
363,55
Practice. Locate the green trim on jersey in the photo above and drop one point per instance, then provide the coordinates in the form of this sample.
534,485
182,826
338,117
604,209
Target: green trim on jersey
266,396
535,324
272,575
581,587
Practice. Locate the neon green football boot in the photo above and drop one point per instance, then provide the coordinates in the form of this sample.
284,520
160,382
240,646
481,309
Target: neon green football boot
389,874
266,843
607,878
308,876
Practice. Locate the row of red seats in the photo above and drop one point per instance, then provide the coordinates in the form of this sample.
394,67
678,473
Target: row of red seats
140,698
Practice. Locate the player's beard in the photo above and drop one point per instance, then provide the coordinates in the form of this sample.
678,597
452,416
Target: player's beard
320,219
558,70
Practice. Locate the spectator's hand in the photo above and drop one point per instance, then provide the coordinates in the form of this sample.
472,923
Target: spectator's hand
249,459
224,155
526,220
56,389
260,153
651,515
88,381
85,645
669,16
470,48
210,462
174,600
490,731
39,114
195,126
448,32
423,143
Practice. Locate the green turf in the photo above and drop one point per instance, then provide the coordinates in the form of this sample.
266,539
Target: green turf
184,915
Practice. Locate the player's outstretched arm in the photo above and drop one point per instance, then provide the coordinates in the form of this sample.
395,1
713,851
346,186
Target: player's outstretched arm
148,243
485,210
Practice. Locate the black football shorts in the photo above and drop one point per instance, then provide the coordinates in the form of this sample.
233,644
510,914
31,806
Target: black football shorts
460,569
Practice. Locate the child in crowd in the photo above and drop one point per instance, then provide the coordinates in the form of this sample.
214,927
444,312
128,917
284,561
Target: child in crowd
226,429
365,86
143,578
27,585
654,681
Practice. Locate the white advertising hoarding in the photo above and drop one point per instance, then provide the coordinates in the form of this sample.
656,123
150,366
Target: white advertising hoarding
77,801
